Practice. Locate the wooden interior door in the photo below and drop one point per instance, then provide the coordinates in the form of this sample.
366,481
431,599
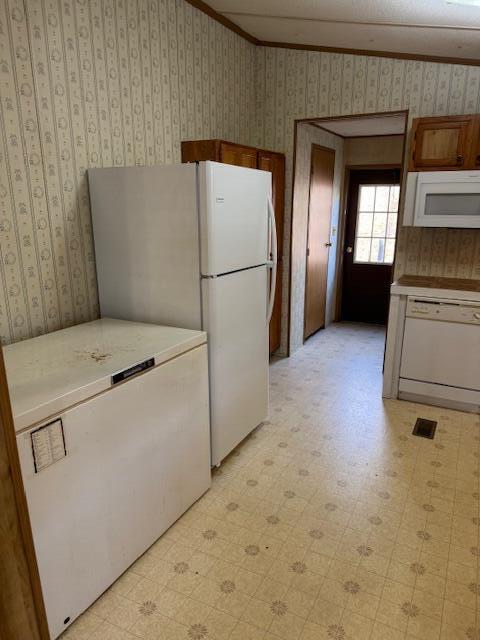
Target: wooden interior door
370,236
441,143
238,155
275,163
318,241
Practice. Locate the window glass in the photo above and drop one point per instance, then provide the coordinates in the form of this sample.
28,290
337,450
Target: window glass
376,226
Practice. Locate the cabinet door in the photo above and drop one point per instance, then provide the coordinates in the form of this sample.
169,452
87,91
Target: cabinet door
275,163
198,150
441,143
475,158
238,155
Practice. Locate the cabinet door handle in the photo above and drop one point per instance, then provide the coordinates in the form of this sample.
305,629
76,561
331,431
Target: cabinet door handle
460,159
477,161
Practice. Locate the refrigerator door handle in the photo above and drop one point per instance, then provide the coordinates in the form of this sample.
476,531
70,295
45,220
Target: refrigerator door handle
272,263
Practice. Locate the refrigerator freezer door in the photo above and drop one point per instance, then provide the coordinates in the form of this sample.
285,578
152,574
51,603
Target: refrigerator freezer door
145,227
235,308
233,217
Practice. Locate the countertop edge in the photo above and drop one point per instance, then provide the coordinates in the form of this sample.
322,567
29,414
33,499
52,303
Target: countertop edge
430,292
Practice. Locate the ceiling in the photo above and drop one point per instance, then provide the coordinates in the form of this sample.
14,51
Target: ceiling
411,27
364,126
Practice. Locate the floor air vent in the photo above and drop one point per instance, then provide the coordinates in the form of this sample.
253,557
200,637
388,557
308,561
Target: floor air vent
424,428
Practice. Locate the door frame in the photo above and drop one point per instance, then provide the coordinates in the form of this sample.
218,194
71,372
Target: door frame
333,152
22,610
342,248
343,221
341,230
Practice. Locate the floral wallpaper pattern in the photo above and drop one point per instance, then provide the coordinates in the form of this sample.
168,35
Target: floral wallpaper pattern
294,84
87,83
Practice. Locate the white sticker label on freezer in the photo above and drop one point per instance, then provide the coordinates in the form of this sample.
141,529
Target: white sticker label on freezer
48,445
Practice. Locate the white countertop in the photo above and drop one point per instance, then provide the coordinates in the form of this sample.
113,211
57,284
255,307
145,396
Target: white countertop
48,374
429,292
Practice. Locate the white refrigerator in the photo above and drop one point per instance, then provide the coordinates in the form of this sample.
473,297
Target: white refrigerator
190,245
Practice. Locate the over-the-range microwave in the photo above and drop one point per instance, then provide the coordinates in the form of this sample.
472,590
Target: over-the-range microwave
442,199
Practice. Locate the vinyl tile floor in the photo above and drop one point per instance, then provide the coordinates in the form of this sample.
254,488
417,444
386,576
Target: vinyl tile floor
330,521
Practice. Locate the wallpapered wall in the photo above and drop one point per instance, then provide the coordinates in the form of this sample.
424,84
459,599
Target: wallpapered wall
374,150
301,84
118,82
306,136
87,83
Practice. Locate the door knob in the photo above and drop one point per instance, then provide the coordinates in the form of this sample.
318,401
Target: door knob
328,244
349,249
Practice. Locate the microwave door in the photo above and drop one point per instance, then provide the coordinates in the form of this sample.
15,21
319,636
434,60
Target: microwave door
447,203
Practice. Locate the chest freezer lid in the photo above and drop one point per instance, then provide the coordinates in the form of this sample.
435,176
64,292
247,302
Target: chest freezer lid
48,374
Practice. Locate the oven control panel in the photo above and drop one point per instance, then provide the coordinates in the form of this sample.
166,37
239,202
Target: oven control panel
445,310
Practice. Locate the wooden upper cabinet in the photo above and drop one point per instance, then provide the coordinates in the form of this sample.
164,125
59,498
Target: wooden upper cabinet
475,157
219,151
237,155
442,143
200,150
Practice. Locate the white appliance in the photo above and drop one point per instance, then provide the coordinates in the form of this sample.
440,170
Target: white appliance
442,199
188,245
441,352
112,424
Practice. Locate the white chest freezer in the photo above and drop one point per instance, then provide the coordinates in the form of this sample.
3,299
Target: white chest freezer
109,417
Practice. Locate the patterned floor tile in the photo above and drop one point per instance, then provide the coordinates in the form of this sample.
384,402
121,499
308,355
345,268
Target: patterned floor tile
329,522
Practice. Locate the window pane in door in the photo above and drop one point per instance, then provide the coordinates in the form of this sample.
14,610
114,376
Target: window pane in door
364,224
389,250
376,224
377,251
367,198
362,250
380,225
392,225
394,197
382,196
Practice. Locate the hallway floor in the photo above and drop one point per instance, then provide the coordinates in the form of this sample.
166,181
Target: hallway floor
331,521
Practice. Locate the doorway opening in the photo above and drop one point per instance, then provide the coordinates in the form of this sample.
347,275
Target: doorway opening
346,193
369,248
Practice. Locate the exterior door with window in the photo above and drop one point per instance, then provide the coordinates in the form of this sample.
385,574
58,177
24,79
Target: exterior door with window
371,227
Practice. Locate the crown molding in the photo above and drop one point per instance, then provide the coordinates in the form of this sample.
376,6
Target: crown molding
473,62
226,22
205,8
